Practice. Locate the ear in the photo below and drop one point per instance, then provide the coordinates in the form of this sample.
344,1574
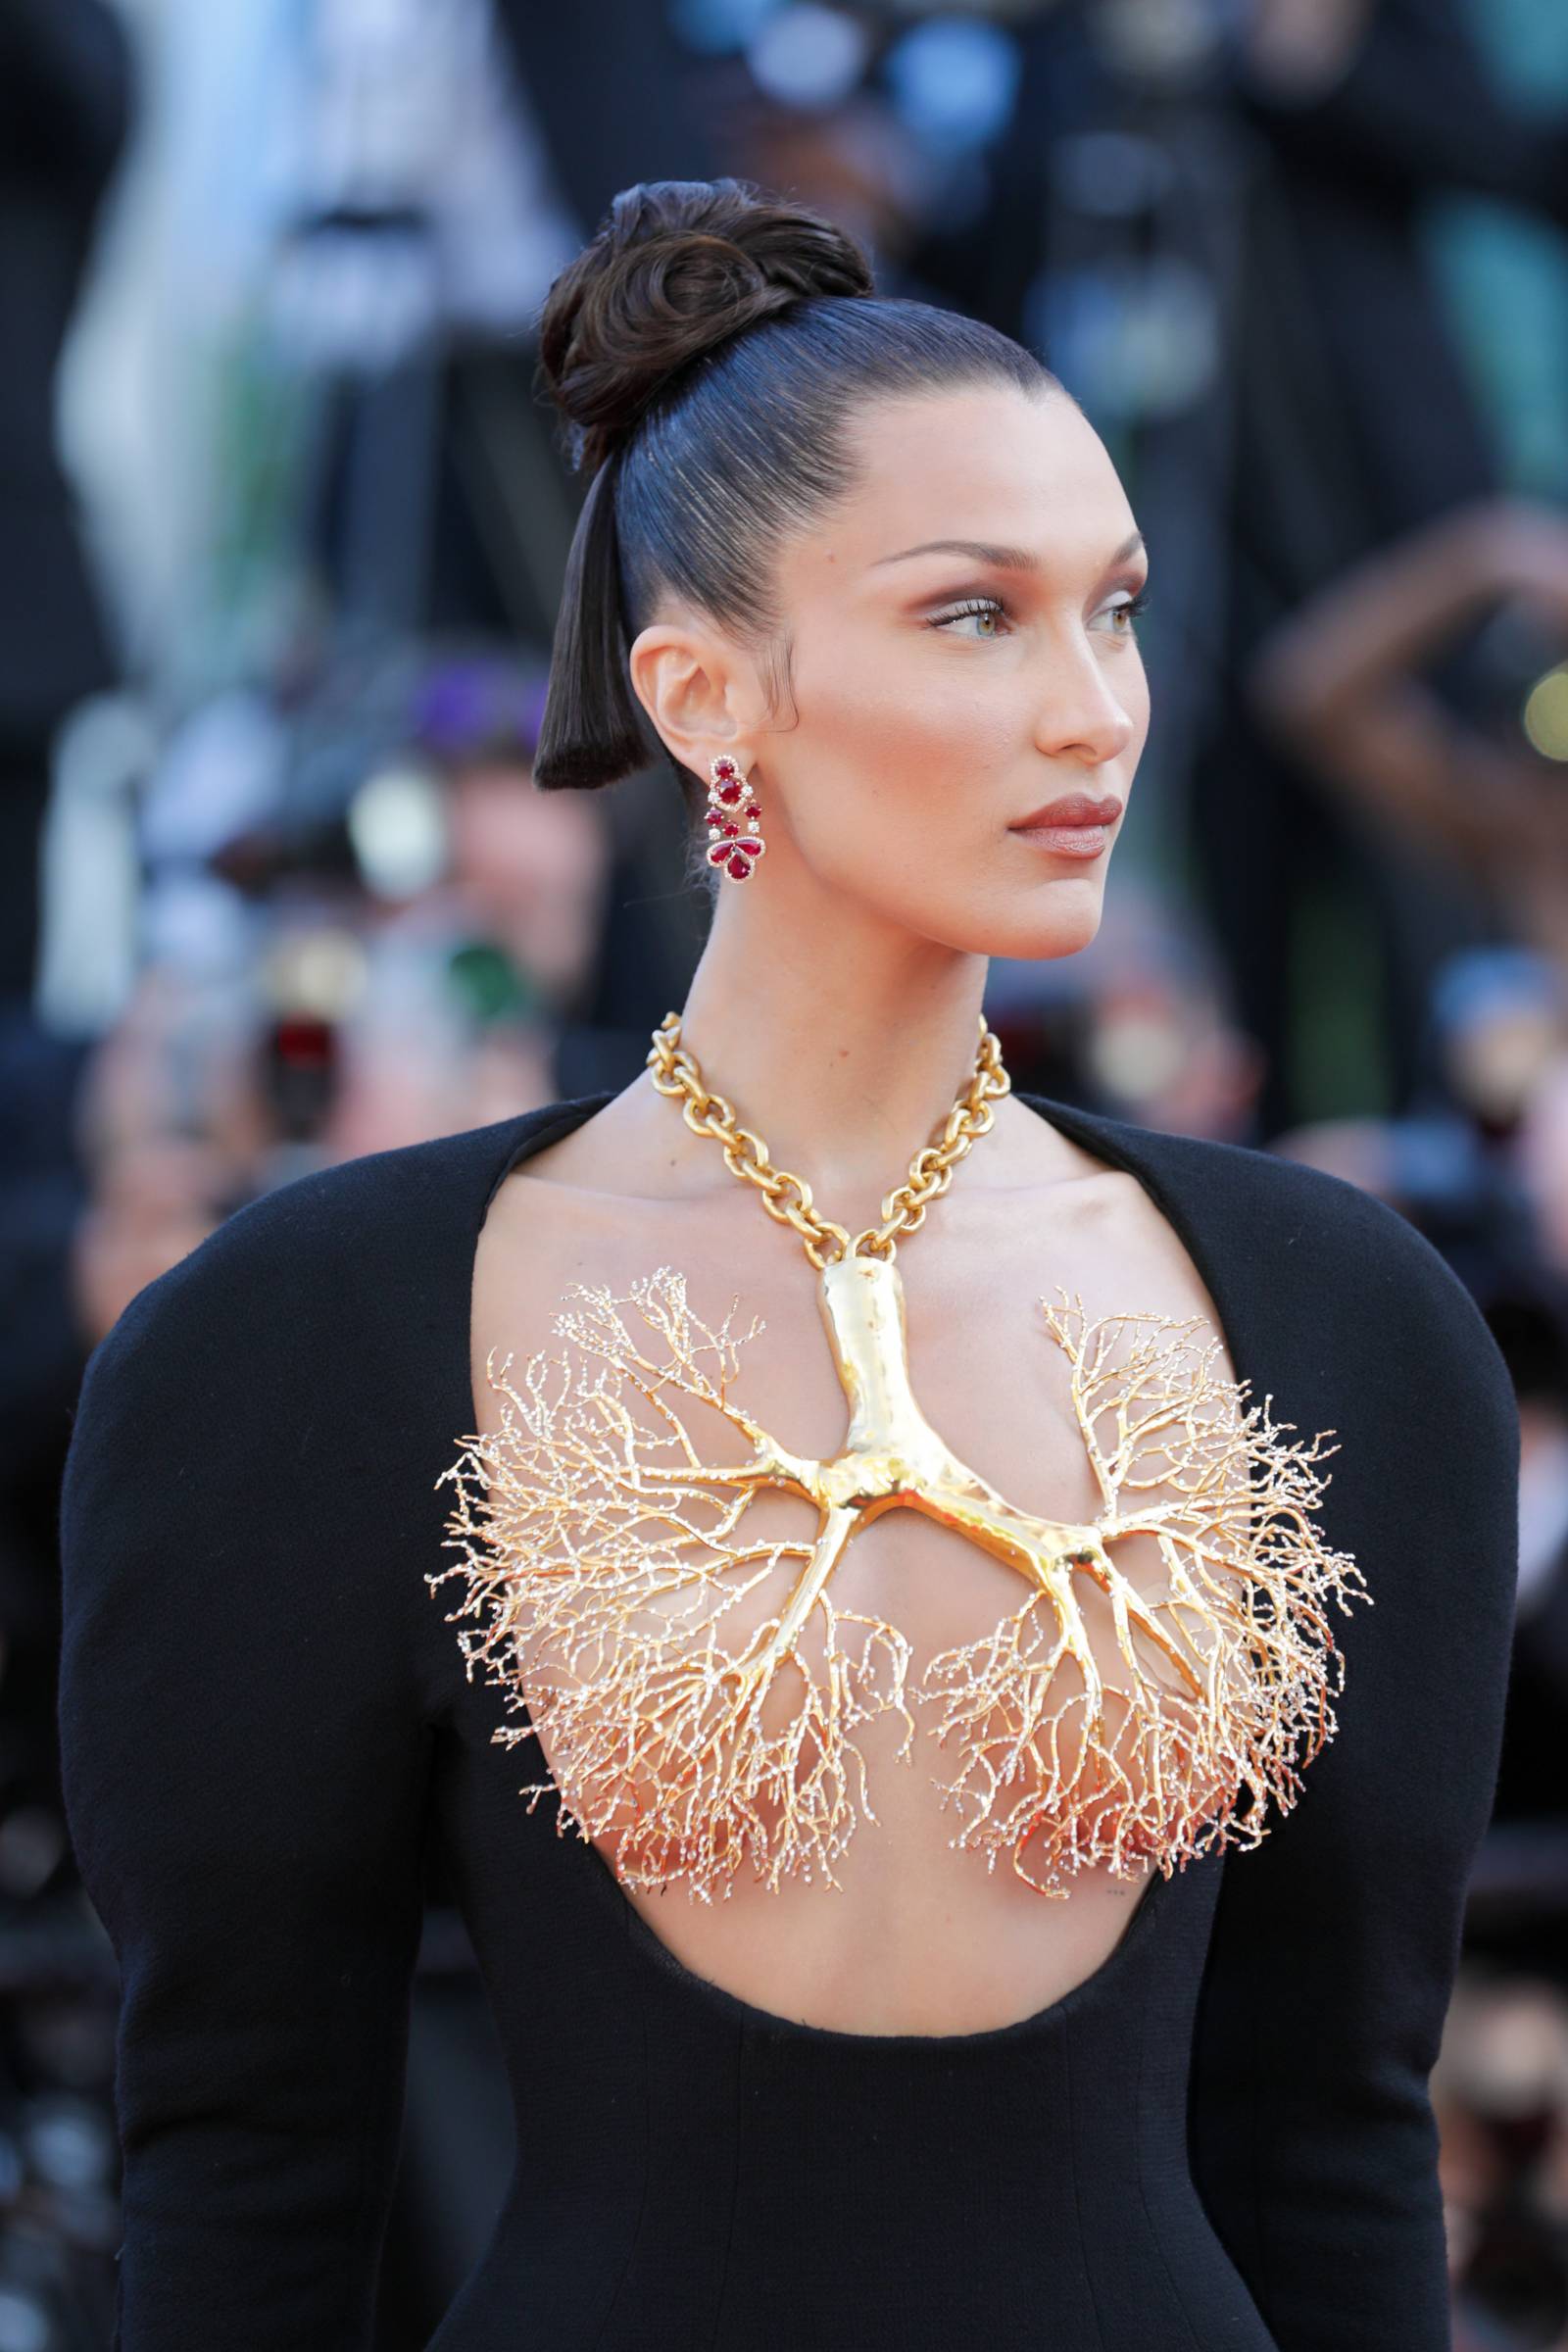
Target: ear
698,688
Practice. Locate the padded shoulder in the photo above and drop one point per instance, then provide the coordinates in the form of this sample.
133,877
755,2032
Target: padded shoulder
306,1365
1317,1259
339,1254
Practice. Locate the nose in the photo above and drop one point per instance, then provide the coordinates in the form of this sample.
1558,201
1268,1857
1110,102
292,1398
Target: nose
1081,714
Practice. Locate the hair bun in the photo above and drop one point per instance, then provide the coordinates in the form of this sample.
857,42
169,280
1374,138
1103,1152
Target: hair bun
678,268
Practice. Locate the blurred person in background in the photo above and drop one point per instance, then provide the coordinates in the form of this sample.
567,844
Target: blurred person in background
505,946
418,959
1358,425
1500,2090
66,100
65,111
1482,790
1465,1163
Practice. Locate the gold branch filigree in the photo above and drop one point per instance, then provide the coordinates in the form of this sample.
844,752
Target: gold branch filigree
601,1552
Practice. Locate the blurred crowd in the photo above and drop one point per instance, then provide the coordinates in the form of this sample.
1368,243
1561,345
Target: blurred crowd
282,525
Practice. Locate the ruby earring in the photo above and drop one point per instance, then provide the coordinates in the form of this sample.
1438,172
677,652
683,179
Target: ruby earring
732,813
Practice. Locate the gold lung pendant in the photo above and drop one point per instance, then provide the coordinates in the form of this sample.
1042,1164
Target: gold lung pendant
591,1532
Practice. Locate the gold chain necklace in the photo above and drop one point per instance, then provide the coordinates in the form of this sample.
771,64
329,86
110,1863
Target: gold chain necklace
601,1552
789,1198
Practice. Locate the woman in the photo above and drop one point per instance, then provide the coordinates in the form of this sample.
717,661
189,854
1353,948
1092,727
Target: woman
819,1596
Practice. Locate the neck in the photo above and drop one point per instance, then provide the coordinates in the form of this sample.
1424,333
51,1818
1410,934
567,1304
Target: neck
843,1043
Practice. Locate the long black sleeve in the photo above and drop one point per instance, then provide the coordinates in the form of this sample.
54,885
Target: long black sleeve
245,1772
1337,1941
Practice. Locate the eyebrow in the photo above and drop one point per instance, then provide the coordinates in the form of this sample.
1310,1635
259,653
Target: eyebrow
1004,559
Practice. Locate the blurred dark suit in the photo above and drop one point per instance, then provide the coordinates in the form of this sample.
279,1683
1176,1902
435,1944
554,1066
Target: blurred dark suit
64,103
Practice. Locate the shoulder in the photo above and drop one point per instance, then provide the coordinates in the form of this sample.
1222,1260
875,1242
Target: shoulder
1338,1236
1355,1281
265,1421
1286,1209
354,1263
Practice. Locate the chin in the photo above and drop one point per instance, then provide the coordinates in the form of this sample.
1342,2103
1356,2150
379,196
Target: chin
1044,917
1035,925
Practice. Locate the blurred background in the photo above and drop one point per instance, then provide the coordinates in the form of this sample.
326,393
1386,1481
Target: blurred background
282,530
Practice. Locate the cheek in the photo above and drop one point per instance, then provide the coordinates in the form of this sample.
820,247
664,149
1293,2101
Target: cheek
1132,689
899,735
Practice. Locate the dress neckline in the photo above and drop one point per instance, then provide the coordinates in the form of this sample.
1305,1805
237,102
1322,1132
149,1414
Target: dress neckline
1122,1144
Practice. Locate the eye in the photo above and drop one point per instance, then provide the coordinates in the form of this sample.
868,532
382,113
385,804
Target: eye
1129,611
977,608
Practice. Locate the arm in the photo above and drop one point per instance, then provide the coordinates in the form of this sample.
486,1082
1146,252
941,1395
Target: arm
1337,681
245,1770
1337,1941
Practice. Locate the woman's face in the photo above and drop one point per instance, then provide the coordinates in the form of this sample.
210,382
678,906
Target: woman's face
940,694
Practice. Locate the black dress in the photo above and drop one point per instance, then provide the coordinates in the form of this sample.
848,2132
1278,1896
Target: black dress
1222,2142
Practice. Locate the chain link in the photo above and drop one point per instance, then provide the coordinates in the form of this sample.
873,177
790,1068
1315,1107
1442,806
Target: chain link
788,1198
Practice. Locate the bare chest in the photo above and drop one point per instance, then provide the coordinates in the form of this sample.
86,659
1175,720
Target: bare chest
861,1583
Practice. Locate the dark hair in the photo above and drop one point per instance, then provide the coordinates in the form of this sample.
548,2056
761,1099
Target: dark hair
706,350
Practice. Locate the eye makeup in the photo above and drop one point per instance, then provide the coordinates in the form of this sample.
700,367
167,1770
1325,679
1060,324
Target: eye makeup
995,607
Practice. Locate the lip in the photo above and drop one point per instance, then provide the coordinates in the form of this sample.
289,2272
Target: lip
1074,826
1073,808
